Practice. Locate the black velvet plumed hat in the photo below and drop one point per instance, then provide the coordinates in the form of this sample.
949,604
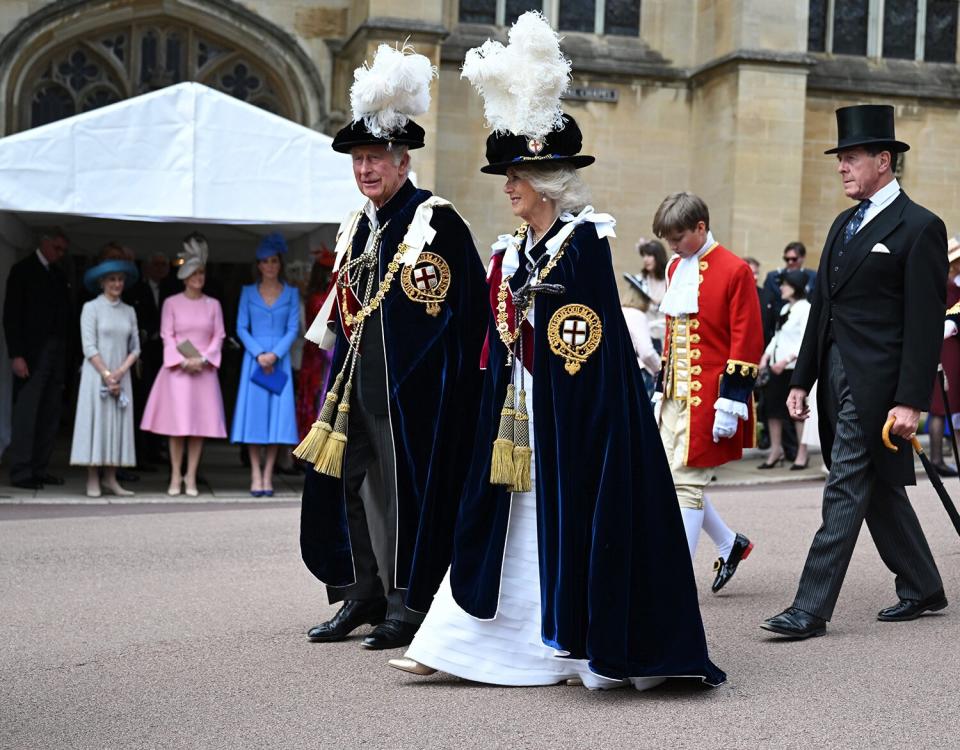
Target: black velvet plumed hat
505,150
867,125
356,134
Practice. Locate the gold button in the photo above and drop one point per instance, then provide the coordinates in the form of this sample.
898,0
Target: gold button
695,385
694,354
696,370
696,401
694,324
694,338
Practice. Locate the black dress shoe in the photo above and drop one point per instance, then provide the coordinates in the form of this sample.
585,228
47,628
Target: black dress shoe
911,609
351,616
390,634
945,470
27,484
795,623
49,479
742,547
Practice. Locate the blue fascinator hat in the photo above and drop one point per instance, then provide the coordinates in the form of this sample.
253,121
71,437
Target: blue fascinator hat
91,279
272,244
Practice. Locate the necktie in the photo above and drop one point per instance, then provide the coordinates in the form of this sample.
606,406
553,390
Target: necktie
855,221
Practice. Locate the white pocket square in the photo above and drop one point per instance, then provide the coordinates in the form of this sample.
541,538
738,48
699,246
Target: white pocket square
880,248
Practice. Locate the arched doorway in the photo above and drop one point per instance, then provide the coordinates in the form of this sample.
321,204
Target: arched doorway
73,57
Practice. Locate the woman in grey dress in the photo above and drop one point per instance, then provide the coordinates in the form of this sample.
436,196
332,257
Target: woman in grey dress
103,435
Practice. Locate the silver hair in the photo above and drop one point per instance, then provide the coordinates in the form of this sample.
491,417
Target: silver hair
560,183
398,152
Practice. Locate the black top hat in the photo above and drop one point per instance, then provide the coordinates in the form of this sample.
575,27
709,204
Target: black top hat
356,134
866,125
558,146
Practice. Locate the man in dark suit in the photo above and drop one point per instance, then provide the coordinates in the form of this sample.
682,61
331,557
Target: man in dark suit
36,321
873,340
146,298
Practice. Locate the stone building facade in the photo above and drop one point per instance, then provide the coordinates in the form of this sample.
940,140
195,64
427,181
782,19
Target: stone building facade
732,99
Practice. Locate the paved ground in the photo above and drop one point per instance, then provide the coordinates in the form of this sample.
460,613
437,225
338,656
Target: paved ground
183,626
223,479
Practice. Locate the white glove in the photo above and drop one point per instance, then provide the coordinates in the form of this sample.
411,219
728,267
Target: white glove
656,400
949,329
724,425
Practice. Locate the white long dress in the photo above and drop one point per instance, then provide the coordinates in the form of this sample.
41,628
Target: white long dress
508,649
103,428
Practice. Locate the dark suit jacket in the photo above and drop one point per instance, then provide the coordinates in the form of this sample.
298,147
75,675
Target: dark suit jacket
37,307
884,310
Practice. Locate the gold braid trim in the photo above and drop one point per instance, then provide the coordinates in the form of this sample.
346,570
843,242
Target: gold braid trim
746,368
503,327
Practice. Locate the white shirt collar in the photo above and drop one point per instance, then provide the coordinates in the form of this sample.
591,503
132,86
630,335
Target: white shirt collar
882,198
43,260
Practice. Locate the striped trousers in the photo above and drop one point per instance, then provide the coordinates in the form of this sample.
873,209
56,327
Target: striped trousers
854,493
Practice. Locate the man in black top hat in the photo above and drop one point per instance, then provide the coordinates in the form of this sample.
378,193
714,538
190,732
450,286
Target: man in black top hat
408,317
873,341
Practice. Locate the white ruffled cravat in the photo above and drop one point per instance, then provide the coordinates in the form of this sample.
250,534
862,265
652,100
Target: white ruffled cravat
681,296
509,245
604,224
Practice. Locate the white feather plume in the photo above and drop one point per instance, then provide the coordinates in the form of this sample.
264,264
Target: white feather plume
521,84
395,88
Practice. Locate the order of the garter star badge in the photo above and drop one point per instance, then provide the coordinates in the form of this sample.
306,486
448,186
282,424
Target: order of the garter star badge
427,281
574,333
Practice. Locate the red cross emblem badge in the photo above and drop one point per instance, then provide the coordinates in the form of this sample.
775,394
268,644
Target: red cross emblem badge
426,277
427,281
574,333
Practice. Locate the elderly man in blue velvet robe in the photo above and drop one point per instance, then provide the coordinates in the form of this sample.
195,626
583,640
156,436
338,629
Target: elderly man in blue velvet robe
408,320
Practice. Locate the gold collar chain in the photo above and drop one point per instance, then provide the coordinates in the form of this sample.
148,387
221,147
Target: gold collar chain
503,326
369,306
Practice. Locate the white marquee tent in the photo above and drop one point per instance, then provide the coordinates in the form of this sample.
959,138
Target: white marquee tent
146,170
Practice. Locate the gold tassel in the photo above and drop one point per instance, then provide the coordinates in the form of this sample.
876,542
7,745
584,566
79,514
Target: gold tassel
501,467
522,451
330,460
310,447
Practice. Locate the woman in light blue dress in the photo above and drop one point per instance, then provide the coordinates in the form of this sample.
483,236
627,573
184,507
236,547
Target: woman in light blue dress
268,319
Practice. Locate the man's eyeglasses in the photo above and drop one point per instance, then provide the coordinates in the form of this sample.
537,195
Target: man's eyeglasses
791,258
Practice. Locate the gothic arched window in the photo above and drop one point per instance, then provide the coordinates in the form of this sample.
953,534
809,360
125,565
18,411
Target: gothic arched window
108,66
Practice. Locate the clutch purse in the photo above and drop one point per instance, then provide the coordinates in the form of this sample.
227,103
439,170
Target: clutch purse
273,382
764,377
188,350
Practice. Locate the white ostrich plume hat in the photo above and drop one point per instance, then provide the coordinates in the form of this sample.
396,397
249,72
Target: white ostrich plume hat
521,84
395,88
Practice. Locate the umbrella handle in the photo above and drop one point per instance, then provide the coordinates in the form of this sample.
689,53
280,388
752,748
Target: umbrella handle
888,444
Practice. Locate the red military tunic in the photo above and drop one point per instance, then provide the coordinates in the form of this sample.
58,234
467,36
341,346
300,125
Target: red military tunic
715,353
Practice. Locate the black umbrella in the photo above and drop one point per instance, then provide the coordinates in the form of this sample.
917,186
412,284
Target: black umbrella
931,473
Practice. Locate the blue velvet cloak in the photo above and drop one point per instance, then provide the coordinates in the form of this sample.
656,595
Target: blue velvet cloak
616,581
433,383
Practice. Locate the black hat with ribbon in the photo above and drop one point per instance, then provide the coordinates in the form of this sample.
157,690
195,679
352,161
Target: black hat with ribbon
867,125
384,97
522,84
505,150
357,134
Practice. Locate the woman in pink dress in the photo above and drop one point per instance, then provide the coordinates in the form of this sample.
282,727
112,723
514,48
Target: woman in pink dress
185,401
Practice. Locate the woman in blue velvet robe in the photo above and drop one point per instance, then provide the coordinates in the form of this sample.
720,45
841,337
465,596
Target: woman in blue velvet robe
586,576
268,319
